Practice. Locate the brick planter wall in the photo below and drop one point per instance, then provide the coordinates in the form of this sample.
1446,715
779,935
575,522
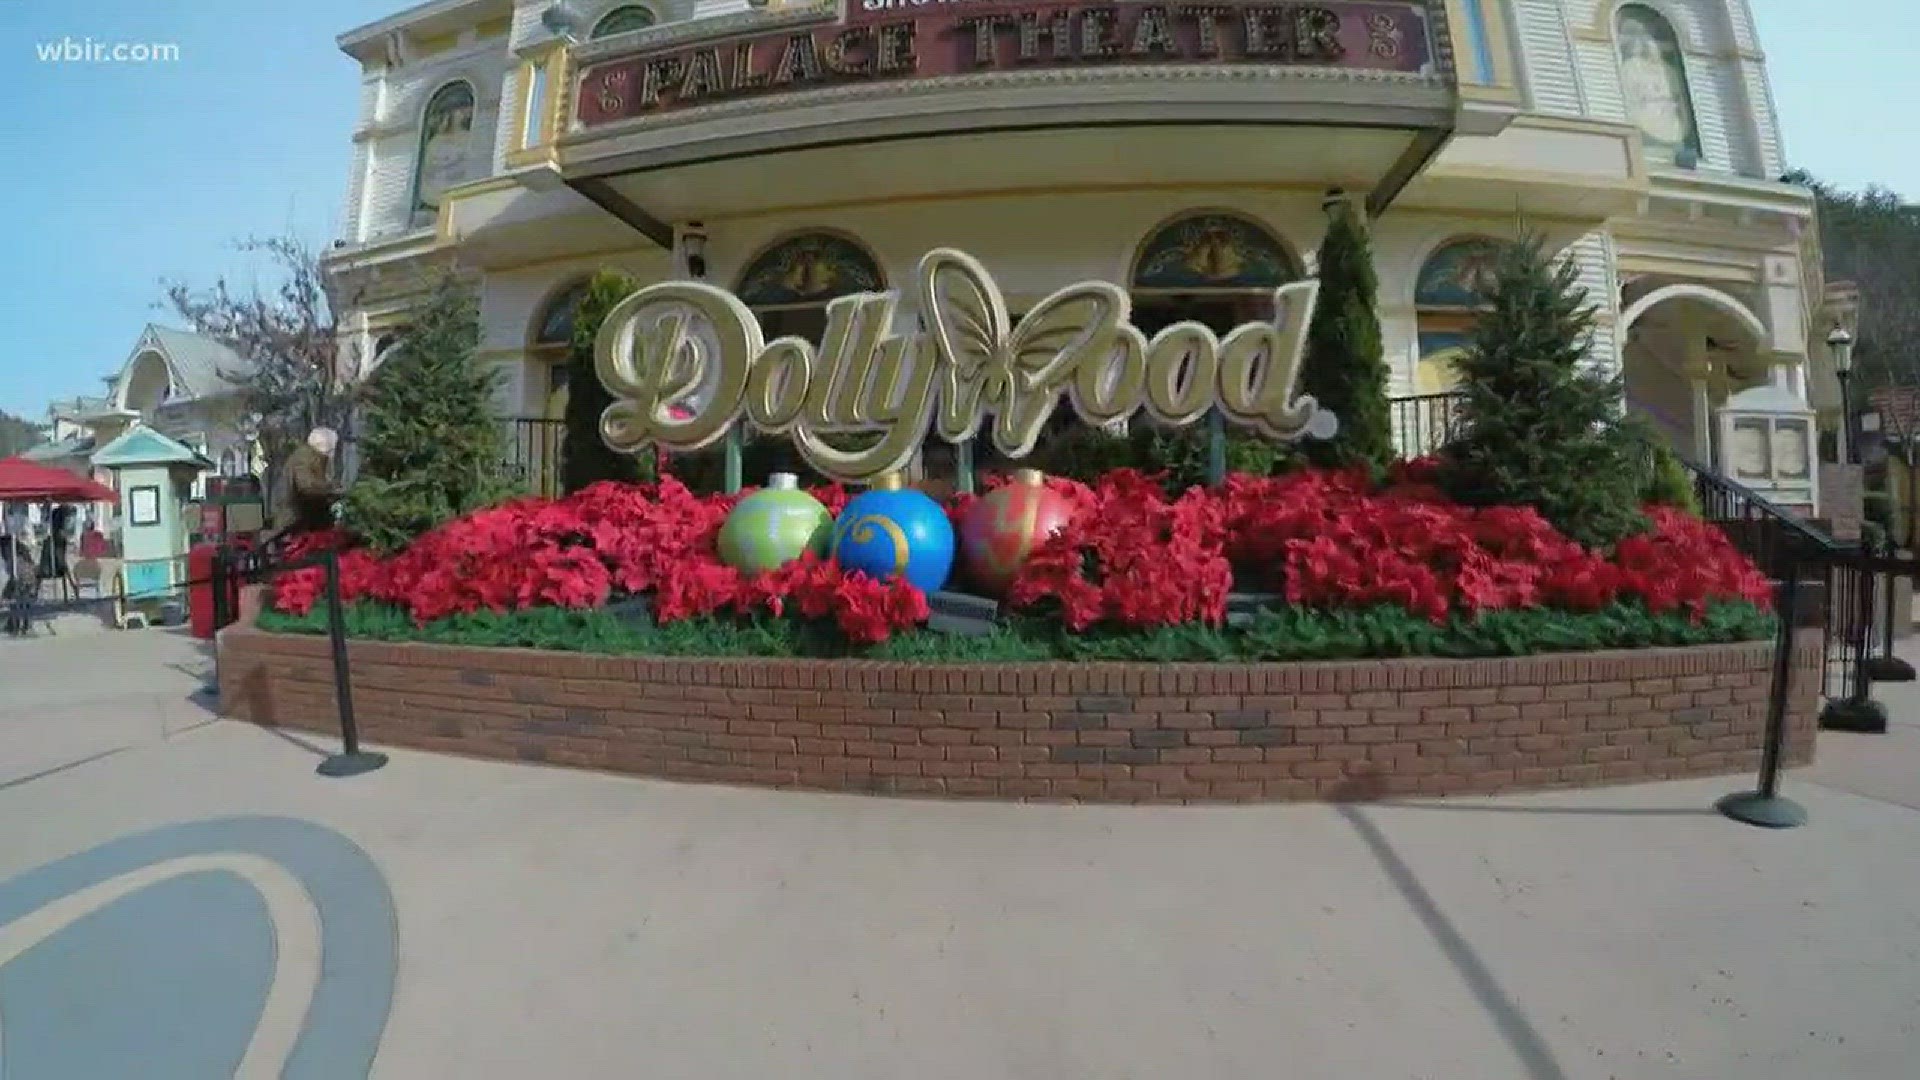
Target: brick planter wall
1093,732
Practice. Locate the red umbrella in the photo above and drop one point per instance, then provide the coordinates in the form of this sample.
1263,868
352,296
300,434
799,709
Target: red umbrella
23,481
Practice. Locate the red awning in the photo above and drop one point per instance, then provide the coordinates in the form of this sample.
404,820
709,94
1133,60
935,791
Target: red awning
23,481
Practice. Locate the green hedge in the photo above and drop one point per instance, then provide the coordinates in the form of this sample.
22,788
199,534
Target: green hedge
1287,634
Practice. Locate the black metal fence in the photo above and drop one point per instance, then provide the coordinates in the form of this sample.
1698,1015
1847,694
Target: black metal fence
1424,423
533,453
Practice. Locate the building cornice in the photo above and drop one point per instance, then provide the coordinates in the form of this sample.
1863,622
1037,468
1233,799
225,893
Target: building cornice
371,36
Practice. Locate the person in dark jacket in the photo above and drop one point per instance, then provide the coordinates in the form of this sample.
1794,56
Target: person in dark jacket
308,496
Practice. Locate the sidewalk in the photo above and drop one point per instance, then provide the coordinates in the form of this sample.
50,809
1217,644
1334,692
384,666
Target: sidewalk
565,924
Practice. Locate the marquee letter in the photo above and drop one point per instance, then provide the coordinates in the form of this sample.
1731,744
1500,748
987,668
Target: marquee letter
650,357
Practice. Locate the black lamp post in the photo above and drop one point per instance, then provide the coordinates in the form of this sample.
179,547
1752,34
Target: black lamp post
1857,711
1840,344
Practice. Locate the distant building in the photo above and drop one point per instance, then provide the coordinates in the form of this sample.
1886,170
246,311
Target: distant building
177,383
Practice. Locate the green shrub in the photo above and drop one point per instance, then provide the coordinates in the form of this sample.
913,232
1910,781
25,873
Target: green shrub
585,457
1277,635
1538,426
1086,453
1668,483
431,448
1345,367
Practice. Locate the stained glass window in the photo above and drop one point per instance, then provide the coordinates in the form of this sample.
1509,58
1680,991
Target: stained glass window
1447,297
1653,79
809,270
446,146
1213,251
555,328
622,19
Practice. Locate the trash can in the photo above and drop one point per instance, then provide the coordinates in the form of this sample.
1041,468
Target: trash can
200,603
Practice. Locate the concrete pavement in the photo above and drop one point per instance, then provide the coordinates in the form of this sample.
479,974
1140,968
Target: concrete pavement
566,924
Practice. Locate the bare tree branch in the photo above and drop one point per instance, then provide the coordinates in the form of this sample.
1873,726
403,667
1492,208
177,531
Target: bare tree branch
299,372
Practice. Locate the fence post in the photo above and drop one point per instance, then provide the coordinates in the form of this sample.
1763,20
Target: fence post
1857,712
1764,806
1216,448
1887,667
351,761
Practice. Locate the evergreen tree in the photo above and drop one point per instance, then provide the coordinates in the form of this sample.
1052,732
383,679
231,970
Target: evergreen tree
1539,426
431,448
585,457
1345,369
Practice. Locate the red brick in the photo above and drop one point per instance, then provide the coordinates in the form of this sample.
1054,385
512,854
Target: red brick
980,731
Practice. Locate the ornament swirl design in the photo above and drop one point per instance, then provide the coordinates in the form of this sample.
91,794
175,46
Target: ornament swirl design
862,530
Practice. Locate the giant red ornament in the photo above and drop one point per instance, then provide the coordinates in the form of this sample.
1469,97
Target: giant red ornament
1005,525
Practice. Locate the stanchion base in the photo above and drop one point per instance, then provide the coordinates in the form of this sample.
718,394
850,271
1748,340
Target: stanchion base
365,761
1863,715
1888,669
1766,811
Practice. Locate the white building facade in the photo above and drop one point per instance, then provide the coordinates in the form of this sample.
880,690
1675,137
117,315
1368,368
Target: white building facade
796,151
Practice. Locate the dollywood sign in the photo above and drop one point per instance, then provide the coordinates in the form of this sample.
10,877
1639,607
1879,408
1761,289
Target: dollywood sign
685,361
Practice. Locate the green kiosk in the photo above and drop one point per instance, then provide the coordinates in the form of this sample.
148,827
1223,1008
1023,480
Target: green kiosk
154,475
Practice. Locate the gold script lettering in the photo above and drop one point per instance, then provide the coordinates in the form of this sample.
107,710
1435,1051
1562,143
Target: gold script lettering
685,360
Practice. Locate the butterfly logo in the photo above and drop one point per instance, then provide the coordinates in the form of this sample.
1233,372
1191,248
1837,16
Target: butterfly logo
1017,372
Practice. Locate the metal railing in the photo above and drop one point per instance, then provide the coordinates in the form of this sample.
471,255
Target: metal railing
534,452
1424,423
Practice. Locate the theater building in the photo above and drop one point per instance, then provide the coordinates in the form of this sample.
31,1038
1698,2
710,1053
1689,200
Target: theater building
795,152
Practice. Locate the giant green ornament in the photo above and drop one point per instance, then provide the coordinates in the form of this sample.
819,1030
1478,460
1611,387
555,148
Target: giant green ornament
774,526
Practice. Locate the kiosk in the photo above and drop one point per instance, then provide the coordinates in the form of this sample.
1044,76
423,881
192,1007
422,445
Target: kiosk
154,475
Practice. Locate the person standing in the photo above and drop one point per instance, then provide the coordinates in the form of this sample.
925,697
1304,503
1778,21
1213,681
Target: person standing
307,498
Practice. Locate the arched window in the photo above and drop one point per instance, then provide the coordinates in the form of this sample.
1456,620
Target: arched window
788,285
1214,268
552,339
446,146
622,19
1653,80
1447,298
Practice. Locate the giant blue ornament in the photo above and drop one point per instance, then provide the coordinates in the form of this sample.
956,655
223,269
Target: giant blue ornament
895,531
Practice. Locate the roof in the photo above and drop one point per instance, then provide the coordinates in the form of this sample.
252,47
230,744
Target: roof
200,364
1899,408
79,408
141,445
431,17
55,451
198,367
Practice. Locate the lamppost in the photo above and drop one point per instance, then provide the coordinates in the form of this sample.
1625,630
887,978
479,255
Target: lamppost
1840,344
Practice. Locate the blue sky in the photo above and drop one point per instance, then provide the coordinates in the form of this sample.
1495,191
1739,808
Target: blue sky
120,176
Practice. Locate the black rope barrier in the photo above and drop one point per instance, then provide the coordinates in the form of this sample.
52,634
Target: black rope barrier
230,569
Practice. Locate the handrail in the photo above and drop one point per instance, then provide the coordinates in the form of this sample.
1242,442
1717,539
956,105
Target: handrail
1431,419
1740,493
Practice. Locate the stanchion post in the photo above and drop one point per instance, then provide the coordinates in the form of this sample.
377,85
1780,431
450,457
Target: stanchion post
1765,806
351,761
1857,712
218,575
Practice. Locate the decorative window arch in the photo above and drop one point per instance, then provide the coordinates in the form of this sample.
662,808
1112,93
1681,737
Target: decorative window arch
552,337
622,19
1447,299
1212,251
553,325
804,272
1653,81
445,157
1209,266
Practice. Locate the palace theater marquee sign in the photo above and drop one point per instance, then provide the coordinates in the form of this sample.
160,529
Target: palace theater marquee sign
914,39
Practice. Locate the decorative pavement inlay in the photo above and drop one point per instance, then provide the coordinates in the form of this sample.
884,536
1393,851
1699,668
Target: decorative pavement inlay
245,947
